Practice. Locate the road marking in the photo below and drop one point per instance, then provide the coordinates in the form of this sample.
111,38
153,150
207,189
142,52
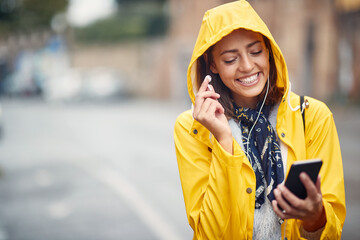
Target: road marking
124,189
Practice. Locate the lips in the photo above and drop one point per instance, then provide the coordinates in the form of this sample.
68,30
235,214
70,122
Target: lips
249,80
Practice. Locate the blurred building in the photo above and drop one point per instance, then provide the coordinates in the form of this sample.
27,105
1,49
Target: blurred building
319,39
349,47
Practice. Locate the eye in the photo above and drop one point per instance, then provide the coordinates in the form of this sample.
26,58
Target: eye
230,61
256,53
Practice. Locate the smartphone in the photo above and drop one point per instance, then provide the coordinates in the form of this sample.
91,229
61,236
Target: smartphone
293,182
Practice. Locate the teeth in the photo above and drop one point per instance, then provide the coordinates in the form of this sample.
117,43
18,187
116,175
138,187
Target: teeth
249,79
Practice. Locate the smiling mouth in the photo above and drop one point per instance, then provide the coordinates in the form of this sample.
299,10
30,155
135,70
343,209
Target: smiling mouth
249,80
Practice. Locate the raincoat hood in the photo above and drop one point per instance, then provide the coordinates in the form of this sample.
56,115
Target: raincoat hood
221,21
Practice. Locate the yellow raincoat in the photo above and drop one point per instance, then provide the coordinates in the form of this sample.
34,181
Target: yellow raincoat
219,188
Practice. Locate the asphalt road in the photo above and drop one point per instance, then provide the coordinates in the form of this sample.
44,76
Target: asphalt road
108,171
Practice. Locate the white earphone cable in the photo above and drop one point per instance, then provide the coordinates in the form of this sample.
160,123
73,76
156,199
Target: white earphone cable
257,118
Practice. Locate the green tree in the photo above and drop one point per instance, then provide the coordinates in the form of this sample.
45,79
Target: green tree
120,2
28,15
135,20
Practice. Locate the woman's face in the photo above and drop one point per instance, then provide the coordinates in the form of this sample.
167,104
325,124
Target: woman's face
242,61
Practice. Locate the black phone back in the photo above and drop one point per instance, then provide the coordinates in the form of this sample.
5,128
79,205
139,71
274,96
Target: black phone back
293,182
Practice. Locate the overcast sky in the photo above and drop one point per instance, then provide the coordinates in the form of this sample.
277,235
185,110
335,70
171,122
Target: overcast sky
84,12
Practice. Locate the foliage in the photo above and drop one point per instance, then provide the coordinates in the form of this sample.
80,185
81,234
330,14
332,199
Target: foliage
122,2
135,19
27,15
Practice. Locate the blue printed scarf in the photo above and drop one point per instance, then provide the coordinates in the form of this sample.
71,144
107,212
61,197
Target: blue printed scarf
262,149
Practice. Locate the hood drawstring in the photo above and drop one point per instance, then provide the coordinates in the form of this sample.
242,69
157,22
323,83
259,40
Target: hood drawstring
302,107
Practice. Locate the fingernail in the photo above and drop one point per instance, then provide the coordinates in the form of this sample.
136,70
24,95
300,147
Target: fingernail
208,77
302,175
276,192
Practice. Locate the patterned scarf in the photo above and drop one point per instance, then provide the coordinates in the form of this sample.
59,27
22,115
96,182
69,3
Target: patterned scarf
263,151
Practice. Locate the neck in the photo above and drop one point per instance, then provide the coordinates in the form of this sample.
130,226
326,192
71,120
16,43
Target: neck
246,102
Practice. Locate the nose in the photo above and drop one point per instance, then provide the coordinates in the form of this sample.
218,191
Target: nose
246,64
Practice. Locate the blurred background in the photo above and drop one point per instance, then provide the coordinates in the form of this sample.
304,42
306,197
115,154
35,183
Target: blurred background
89,93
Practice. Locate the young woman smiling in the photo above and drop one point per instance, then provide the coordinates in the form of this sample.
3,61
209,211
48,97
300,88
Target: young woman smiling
235,147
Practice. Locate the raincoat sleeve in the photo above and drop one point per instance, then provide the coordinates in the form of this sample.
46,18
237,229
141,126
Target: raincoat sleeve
218,200
322,142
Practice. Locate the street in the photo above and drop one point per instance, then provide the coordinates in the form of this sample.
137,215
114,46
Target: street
104,171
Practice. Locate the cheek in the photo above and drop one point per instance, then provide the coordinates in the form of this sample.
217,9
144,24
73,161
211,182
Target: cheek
265,65
227,72
267,62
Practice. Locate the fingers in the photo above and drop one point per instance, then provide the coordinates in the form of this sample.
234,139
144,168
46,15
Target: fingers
211,114
280,212
209,109
200,99
205,86
314,197
205,83
290,199
311,189
282,204
205,91
288,205
215,107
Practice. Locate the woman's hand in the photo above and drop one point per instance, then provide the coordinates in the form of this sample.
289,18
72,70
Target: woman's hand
310,210
210,113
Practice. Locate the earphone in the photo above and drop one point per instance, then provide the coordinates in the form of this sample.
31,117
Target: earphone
257,118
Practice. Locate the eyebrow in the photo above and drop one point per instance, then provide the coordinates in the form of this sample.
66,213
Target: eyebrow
235,50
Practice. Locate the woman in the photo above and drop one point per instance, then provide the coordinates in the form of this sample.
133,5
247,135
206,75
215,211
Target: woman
245,130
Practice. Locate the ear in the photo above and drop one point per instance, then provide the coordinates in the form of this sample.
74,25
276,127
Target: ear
213,68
